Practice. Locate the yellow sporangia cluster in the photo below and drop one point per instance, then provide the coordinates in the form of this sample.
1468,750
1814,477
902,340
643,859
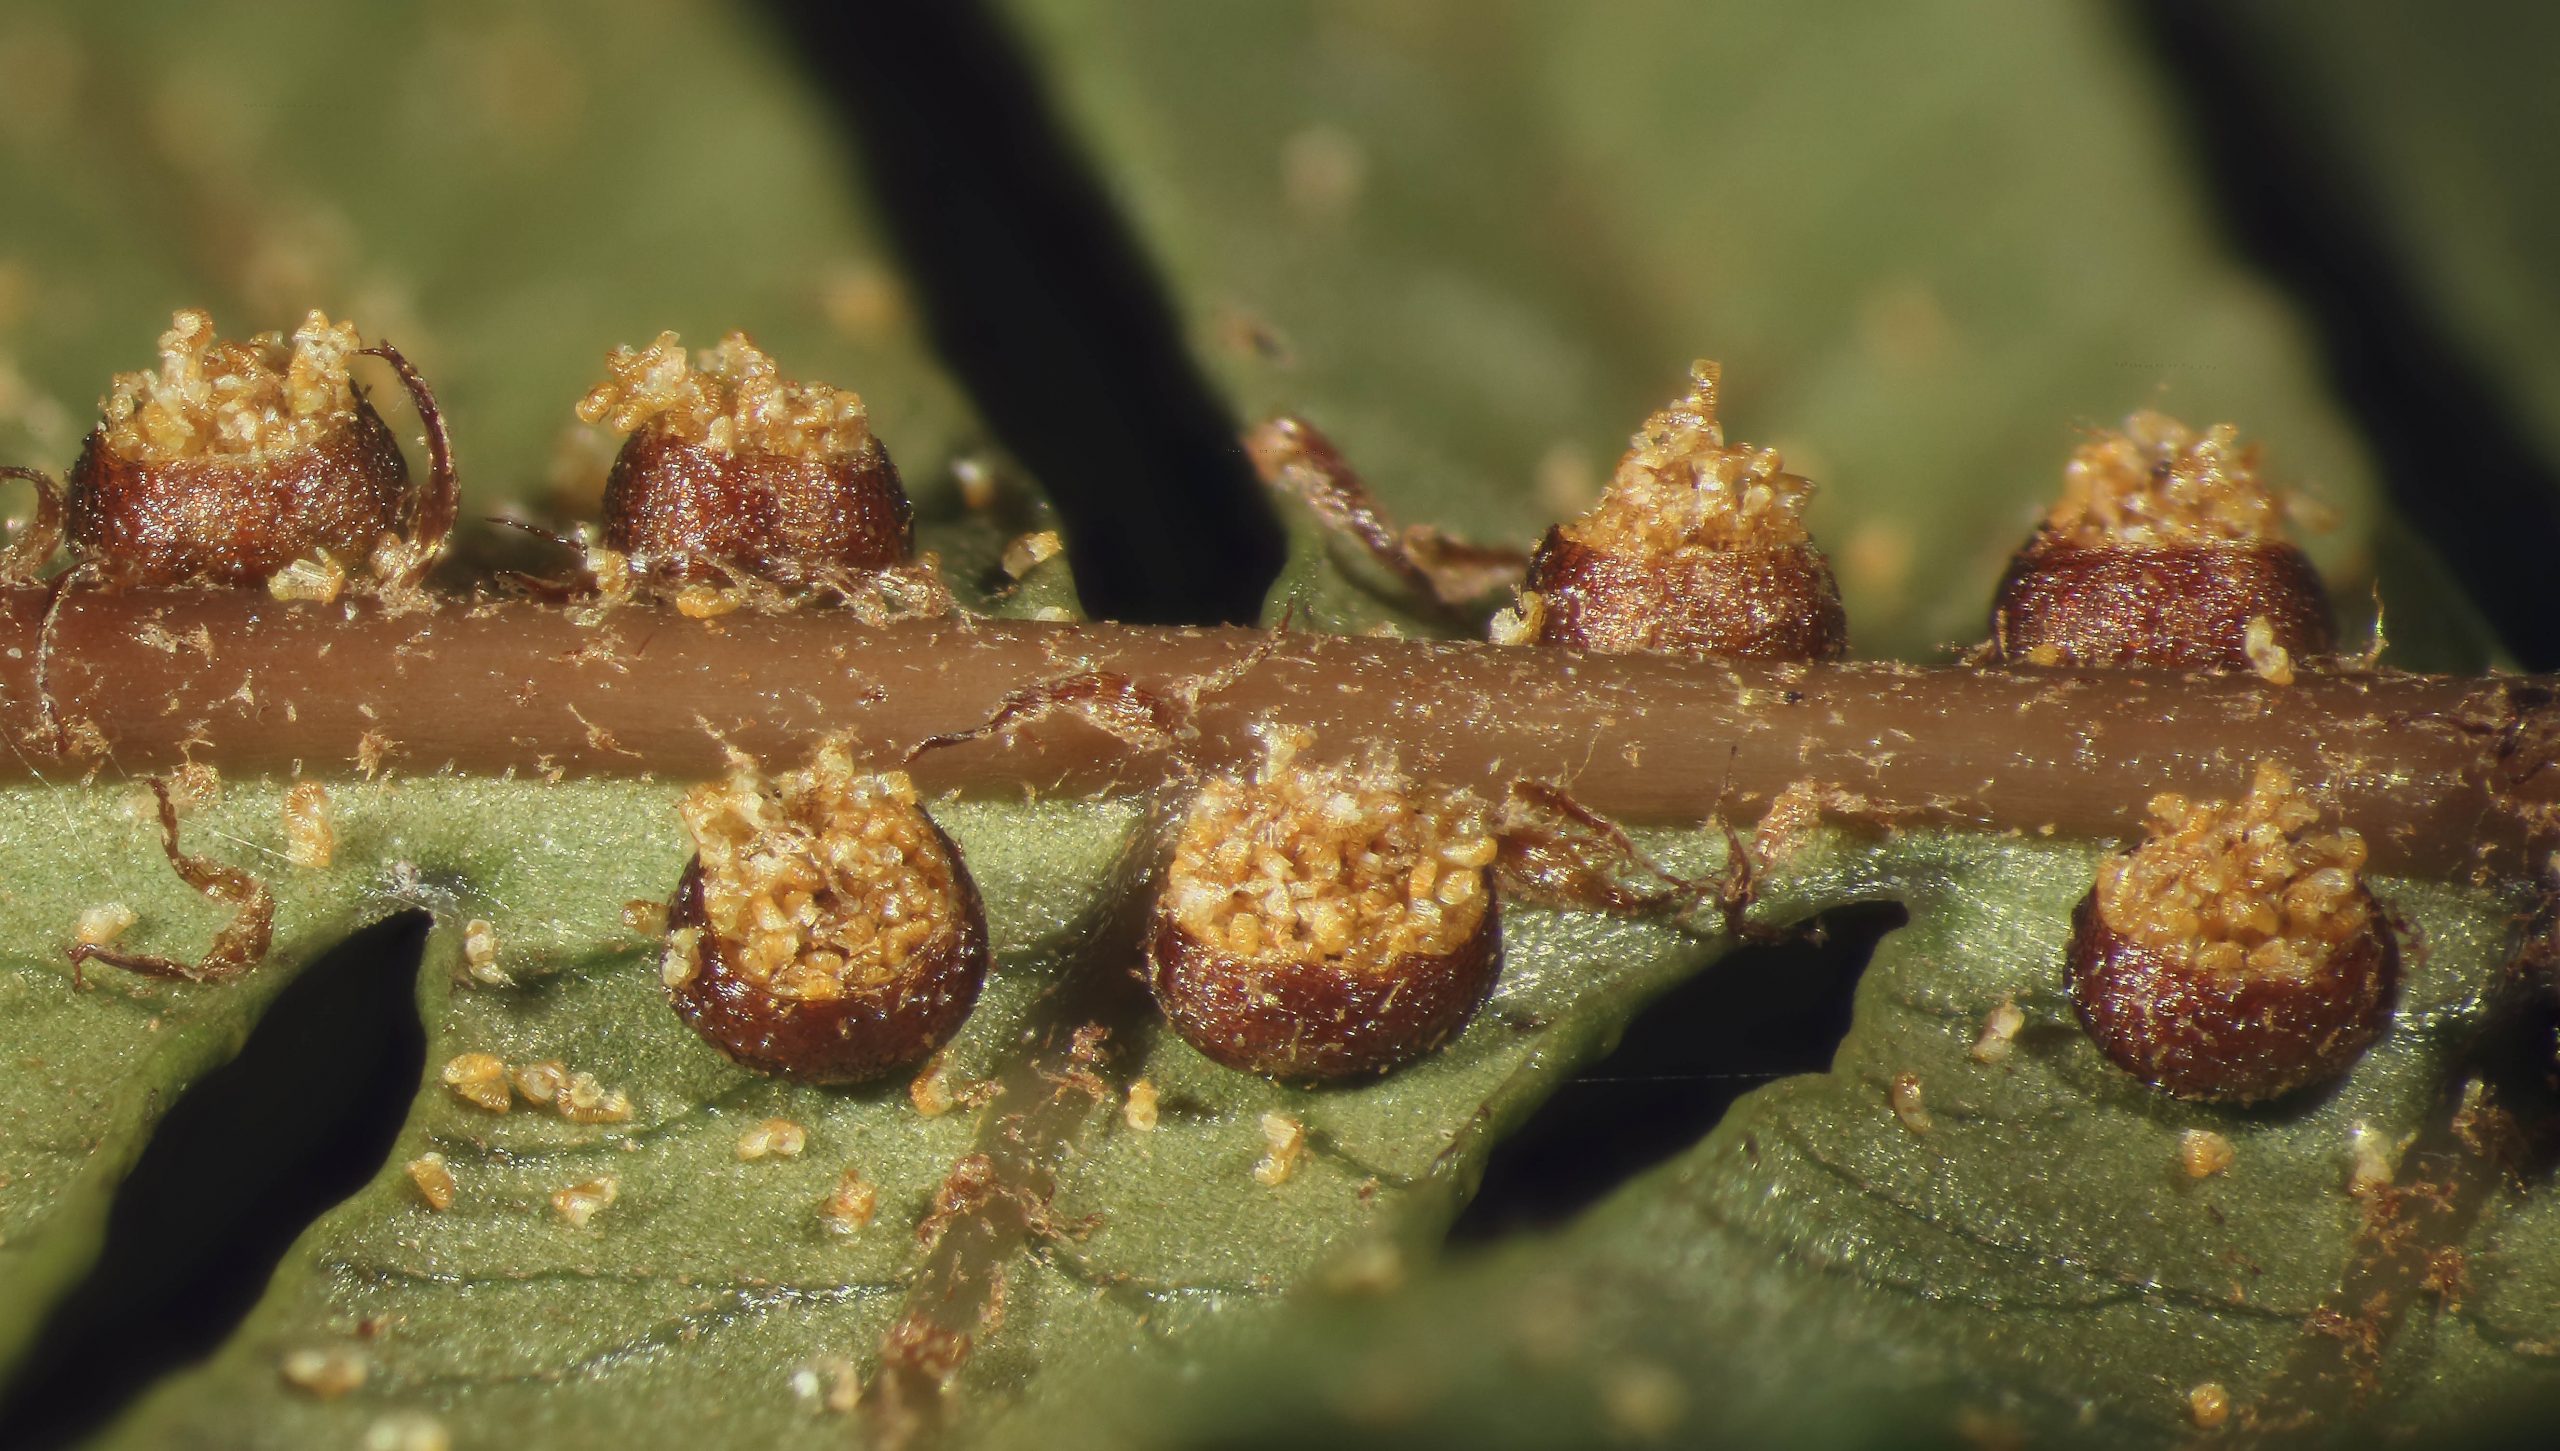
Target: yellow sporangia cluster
822,881
1681,488
249,400
2158,483
1343,864
727,399
2239,887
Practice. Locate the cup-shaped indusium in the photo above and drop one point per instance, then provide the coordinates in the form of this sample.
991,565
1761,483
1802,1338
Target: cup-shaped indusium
233,460
2235,955
1324,922
732,471
2166,550
826,930
1697,548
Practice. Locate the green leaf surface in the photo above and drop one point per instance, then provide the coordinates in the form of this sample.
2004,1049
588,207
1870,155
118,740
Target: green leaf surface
503,194
2036,1263
2439,132
2036,1256
690,1306
94,1071
88,1074
1478,243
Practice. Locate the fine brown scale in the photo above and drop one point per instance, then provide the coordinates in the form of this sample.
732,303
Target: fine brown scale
241,944
25,558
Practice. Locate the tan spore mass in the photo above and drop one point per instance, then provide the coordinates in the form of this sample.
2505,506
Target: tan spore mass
1343,864
2240,887
249,400
823,881
1681,489
728,399
2157,483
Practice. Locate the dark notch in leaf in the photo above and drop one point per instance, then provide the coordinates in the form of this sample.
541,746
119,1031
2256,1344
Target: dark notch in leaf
1041,302
236,1172
1763,1012
2457,463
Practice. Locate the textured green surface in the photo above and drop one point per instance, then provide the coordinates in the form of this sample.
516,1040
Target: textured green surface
2037,1255
1813,1269
496,1317
88,1074
2440,135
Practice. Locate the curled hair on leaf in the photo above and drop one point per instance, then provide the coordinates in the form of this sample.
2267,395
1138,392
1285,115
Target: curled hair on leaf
1144,717
27,555
1558,852
241,944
